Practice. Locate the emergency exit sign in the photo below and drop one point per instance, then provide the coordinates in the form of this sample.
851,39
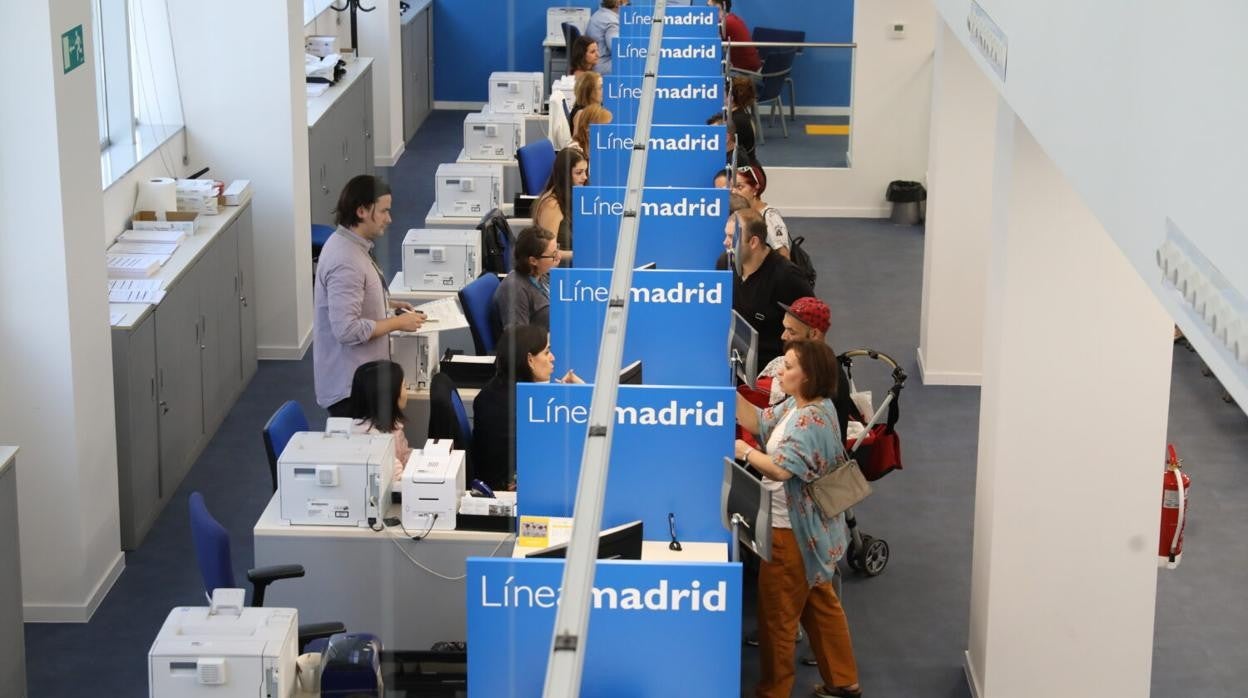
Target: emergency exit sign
73,49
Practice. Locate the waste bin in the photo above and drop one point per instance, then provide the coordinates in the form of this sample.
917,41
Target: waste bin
909,200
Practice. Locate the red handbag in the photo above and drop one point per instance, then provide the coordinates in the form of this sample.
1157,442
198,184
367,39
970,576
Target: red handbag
880,451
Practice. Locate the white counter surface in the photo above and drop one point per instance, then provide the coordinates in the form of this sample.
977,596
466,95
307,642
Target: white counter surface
317,106
6,457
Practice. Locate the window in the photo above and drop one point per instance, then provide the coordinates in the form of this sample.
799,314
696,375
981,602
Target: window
137,97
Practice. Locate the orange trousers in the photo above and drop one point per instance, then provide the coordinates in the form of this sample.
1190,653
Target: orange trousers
784,599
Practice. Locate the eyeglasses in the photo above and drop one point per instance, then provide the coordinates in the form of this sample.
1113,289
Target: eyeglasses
554,256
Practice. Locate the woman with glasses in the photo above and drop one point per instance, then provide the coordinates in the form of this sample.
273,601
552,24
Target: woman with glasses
553,210
523,356
751,183
523,298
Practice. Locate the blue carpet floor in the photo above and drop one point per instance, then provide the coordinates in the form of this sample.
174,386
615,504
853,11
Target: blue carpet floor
909,625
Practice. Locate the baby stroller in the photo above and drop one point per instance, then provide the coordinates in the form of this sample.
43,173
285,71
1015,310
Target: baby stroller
877,448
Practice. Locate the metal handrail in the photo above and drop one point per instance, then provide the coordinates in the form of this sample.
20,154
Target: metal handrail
786,44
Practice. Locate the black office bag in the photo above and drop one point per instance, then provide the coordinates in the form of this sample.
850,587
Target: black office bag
496,242
802,260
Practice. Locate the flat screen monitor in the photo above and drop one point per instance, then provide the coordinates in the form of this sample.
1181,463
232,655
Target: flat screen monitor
631,374
743,349
619,543
744,498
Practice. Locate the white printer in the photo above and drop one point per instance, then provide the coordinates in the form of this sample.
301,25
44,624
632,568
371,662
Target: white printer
492,136
228,650
556,16
436,259
335,478
467,189
515,93
417,353
432,483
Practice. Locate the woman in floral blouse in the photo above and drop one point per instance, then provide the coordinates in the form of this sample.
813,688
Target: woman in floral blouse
803,442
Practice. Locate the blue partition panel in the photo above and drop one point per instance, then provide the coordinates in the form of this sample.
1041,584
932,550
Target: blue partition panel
679,228
698,21
678,99
667,453
654,629
697,303
679,156
679,56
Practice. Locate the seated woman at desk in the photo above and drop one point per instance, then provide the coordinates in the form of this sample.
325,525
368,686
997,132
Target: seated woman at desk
583,56
587,91
590,115
524,356
523,298
378,397
553,210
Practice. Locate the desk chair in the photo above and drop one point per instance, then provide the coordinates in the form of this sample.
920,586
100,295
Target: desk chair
571,33
477,300
782,35
537,161
320,236
288,419
448,419
775,72
212,552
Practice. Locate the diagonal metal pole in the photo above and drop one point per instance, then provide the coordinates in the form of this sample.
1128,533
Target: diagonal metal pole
569,642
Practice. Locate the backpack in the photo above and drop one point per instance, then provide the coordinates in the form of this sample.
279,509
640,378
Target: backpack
801,260
496,242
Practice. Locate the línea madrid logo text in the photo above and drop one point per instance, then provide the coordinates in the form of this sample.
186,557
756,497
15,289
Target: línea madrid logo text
663,596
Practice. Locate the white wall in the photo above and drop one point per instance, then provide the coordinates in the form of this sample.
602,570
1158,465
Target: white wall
120,195
1138,108
956,237
255,127
55,353
331,23
891,103
380,40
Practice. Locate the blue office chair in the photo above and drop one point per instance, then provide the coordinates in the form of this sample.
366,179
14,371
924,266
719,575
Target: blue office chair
212,552
537,161
781,35
571,33
320,236
775,72
448,418
288,419
477,299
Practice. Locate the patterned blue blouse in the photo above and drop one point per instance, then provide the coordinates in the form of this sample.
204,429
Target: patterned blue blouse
811,448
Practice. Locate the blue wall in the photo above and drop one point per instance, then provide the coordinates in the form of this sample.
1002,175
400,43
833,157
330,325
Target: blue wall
473,38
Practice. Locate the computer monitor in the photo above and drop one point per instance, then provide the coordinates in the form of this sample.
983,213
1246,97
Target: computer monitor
745,503
619,543
743,349
631,374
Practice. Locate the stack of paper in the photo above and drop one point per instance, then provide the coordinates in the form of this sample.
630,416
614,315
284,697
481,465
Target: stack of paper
162,236
131,247
198,195
134,266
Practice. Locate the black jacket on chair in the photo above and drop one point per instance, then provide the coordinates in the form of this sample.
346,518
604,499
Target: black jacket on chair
444,422
494,433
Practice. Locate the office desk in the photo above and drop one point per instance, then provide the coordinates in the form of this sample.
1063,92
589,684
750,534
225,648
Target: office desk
367,580
658,551
459,339
511,171
437,220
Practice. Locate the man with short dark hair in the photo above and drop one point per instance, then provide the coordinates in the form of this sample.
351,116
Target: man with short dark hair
350,322
763,280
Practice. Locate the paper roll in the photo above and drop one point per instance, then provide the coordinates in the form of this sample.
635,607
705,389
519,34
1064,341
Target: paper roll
159,194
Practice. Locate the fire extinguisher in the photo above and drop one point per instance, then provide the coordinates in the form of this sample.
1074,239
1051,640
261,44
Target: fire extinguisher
1174,489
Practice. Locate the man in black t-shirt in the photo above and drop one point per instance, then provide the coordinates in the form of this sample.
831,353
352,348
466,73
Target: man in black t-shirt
761,281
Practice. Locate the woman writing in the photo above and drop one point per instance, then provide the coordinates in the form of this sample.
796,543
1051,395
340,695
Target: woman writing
803,443
751,183
523,298
524,356
553,210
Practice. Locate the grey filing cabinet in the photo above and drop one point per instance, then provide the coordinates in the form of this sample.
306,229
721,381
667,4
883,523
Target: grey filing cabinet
340,143
177,372
416,37
12,634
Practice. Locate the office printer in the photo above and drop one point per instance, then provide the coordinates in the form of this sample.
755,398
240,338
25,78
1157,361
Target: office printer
491,136
468,189
516,93
441,260
556,16
227,650
335,478
432,483
417,353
